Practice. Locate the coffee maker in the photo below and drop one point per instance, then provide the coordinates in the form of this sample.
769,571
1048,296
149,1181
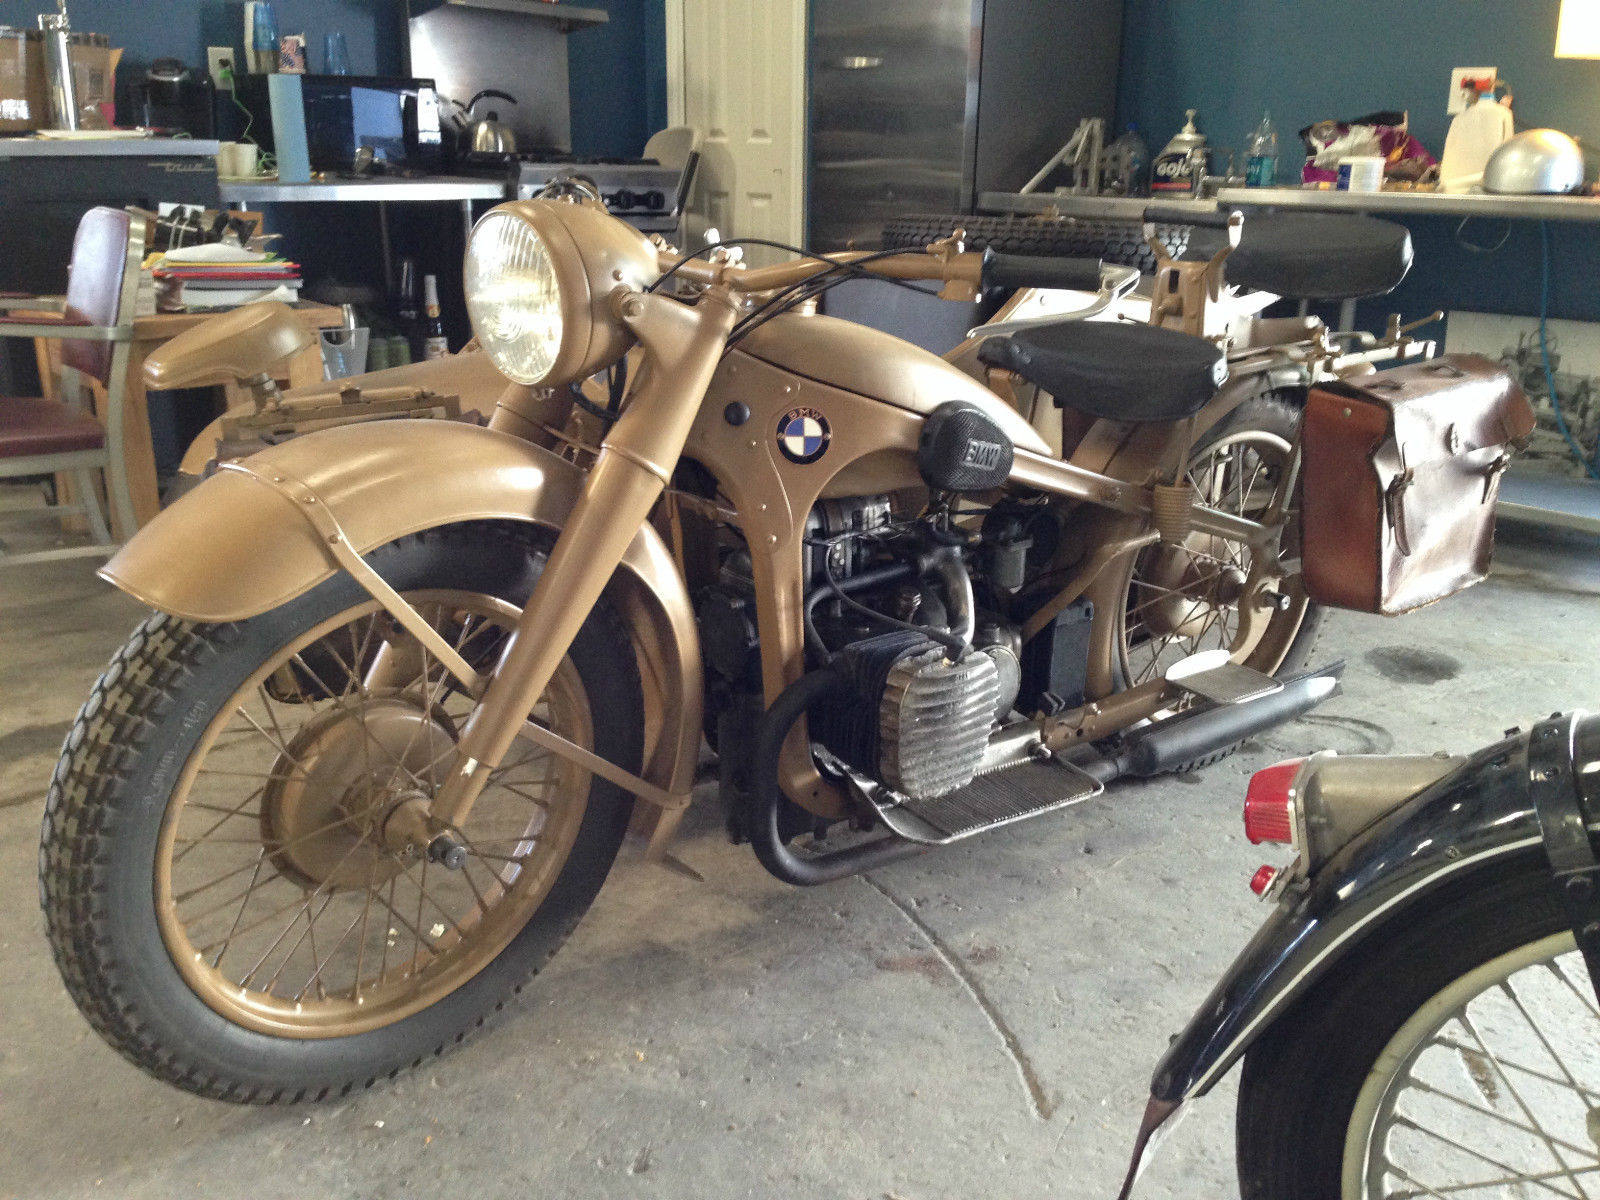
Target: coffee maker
171,96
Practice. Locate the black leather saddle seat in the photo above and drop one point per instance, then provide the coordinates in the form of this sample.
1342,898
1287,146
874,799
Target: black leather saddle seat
1314,256
1112,369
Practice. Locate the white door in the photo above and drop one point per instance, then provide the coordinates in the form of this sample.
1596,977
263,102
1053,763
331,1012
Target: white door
736,72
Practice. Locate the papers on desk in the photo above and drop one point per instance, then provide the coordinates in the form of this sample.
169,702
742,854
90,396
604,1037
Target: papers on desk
218,276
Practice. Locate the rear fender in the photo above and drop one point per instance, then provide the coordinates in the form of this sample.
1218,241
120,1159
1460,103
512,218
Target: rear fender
1477,818
233,548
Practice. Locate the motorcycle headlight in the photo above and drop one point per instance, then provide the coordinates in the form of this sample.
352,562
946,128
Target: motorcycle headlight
513,297
539,276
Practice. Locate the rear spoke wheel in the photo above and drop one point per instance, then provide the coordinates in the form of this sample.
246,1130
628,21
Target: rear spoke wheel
1185,598
1493,1089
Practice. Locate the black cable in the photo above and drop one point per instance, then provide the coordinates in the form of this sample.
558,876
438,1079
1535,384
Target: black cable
1476,248
617,378
823,281
606,415
835,274
949,641
710,246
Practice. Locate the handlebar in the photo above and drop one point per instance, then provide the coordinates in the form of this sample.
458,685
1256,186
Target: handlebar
1027,270
913,264
986,270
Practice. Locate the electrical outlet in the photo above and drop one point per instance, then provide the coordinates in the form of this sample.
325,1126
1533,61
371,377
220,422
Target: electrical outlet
219,61
1458,90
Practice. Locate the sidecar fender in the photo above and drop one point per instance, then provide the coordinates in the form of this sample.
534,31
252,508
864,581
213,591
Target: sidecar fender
233,548
1478,818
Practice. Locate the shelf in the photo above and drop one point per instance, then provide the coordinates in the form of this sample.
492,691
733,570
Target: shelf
567,16
438,188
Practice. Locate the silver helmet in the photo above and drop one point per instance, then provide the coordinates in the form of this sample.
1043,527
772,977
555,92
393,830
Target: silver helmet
1537,162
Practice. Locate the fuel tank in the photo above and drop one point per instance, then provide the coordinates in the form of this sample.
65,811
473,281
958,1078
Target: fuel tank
869,363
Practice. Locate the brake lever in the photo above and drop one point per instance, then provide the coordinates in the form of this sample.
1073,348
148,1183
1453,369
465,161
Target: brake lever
1115,283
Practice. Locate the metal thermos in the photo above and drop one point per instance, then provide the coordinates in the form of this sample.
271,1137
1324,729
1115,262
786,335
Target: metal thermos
63,90
1176,167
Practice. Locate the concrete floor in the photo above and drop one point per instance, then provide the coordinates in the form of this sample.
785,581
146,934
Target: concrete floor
979,1022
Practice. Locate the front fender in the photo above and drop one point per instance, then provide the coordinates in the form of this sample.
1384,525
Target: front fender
1467,821
232,548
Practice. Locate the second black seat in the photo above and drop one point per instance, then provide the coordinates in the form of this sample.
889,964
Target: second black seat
1314,256
1115,370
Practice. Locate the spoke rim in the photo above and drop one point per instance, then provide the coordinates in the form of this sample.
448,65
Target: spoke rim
1237,475
368,938
1481,1028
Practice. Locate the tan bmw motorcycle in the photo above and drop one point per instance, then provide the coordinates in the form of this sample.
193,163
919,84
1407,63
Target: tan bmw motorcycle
410,683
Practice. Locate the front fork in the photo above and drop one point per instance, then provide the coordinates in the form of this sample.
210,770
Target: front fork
682,347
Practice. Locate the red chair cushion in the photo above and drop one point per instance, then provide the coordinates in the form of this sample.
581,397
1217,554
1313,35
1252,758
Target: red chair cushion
30,425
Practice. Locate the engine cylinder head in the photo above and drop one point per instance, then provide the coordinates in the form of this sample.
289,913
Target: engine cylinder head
934,721
908,716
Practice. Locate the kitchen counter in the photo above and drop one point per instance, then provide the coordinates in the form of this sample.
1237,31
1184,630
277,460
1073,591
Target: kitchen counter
1105,208
432,188
1453,204
28,147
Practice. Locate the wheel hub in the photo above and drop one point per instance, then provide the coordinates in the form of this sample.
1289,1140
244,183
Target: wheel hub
332,814
1193,585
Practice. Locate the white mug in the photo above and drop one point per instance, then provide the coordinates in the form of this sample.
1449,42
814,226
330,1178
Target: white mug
236,160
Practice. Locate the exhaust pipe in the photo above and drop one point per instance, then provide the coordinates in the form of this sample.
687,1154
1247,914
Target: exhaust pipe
1150,751
1167,745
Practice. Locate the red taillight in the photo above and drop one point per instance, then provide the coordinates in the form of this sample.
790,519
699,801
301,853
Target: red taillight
1262,880
1268,804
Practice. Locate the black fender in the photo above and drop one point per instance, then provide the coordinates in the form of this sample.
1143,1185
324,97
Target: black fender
1478,816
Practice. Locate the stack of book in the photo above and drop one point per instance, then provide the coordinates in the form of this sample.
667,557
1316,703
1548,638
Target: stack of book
220,276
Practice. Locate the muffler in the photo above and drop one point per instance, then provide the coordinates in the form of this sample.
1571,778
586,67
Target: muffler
1166,745
1152,750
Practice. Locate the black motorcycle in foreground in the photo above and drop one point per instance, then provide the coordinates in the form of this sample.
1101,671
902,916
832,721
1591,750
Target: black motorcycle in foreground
1418,1016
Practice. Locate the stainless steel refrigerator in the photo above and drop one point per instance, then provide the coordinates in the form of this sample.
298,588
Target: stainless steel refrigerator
918,105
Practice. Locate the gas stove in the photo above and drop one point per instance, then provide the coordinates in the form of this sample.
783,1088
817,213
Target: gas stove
639,190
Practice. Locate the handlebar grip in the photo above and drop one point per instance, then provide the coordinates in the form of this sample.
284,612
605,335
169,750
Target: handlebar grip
1183,214
1030,270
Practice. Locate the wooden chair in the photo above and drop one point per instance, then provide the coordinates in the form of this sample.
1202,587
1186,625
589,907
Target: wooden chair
94,325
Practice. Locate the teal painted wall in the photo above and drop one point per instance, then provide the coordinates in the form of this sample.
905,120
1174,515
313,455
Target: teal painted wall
617,71
1310,59
618,78
151,29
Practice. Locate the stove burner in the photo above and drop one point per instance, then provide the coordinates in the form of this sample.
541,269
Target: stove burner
639,190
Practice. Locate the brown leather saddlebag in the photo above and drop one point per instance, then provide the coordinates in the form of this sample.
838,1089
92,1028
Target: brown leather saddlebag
1400,471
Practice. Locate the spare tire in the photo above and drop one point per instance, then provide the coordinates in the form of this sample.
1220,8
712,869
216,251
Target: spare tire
1118,242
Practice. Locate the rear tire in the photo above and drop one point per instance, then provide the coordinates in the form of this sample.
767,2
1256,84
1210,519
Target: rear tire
127,772
1310,1083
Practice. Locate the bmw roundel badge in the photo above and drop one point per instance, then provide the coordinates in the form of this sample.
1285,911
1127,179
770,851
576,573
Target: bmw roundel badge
803,435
